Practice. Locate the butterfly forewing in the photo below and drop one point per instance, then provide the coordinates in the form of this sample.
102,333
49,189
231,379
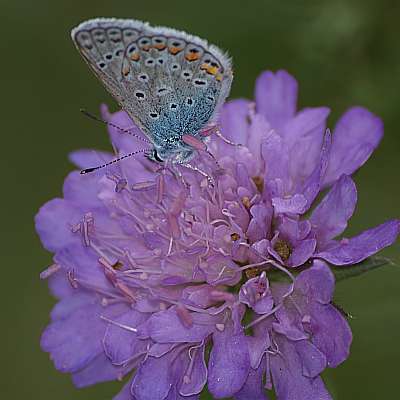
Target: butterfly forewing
170,83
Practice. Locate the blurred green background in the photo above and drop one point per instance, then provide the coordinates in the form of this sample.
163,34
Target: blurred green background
342,53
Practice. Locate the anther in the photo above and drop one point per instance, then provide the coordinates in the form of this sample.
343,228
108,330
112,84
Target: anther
220,327
49,271
246,202
235,236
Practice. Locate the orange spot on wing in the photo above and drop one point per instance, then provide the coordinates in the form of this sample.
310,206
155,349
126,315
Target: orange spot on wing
135,57
175,50
192,56
212,70
160,46
125,70
145,47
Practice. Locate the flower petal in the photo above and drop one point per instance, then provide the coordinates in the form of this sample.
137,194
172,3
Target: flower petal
316,283
121,344
99,370
53,224
229,363
302,252
276,97
356,135
193,384
304,134
296,204
288,378
313,361
253,389
313,183
166,327
329,218
85,158
358,248
154,378
276,158
233,120
82,190
330,333
76,340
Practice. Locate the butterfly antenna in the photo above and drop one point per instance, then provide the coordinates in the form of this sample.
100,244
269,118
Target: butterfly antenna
122,130
88,170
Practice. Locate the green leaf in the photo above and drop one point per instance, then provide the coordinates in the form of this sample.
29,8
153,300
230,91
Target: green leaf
367,265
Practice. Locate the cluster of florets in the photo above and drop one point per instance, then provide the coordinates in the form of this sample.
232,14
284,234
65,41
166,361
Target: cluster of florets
227,284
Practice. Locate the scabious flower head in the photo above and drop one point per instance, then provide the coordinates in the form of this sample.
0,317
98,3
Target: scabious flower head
170,275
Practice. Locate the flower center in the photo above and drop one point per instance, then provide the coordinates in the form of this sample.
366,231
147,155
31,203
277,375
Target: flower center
283,249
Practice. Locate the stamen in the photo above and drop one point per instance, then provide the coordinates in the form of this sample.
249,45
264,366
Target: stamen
160,188
235,236
72,280
125,290
128,328
49,271
143,185
246,202
184,316
264,316
220,327
174,226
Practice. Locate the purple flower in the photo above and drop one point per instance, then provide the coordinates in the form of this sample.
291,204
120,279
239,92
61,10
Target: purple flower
155,268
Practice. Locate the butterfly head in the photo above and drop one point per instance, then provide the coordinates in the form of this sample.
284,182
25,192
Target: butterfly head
172,149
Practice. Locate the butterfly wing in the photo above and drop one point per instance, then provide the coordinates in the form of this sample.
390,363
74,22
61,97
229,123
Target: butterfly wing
170,83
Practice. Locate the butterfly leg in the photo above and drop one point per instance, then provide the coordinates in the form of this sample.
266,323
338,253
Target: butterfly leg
214,130
201,172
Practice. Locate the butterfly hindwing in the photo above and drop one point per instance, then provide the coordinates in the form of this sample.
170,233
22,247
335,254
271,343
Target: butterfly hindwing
170,83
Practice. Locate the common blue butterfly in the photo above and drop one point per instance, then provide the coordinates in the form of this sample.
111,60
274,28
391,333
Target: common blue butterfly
170,83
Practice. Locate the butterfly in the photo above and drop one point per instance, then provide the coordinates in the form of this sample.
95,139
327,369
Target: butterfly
170,83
